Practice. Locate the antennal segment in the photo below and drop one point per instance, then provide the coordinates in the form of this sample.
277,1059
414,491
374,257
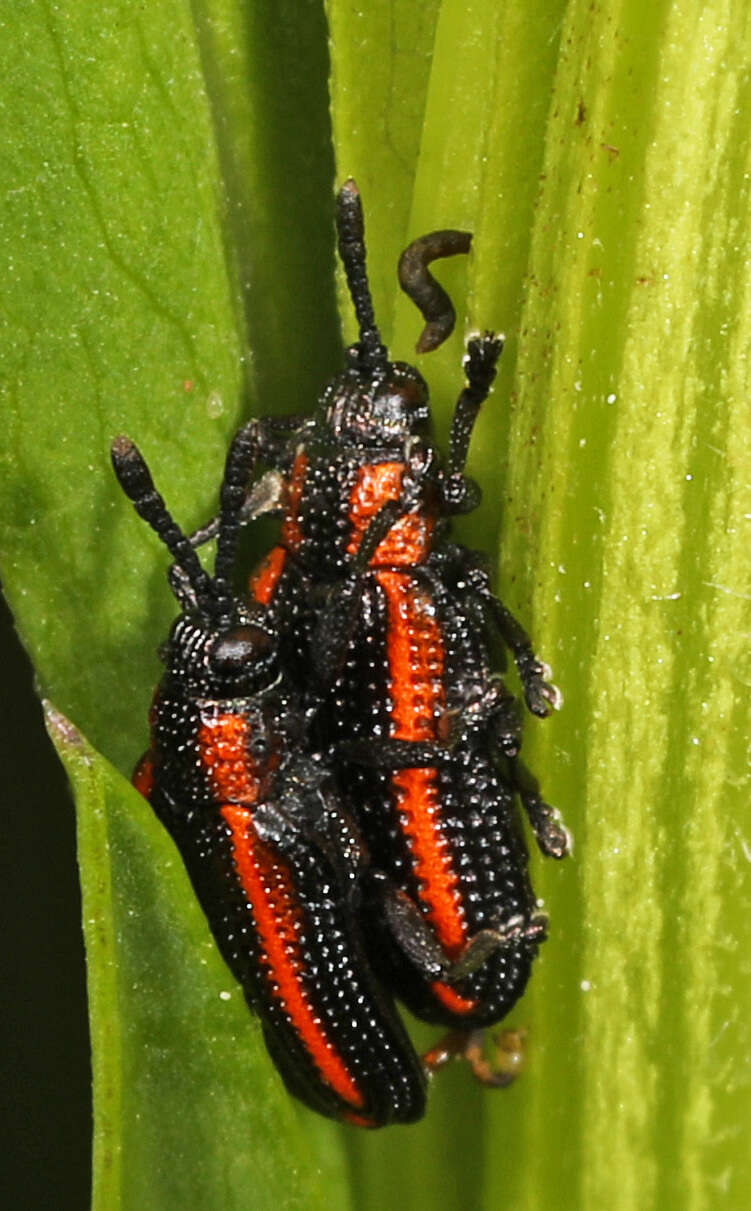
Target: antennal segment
241,458
135,480
350,229
417,281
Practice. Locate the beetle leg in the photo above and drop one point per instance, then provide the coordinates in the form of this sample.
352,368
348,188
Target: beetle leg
460,494
540,695
553,838
501,1070
486,941
409,929
418,943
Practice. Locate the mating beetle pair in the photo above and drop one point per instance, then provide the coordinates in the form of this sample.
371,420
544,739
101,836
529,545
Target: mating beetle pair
334,757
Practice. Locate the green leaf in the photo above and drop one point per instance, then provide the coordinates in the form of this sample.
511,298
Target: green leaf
635,361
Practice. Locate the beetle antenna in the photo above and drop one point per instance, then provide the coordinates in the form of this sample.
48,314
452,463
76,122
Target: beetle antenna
350,228
241,458
135,480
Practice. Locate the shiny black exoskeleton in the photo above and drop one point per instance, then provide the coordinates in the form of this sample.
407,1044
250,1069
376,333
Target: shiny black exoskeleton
445,830
258,819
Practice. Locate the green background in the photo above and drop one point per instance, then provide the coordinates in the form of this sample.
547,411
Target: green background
167,250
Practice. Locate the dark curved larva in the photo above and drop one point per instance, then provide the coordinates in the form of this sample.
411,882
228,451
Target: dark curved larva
426,293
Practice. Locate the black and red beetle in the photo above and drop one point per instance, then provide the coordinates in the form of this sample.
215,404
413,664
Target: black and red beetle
258,820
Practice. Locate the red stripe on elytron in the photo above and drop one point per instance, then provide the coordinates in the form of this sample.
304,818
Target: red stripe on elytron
359,1120
143,775
451,999
292,534
415,655
266,577
267,883
408,540
225,756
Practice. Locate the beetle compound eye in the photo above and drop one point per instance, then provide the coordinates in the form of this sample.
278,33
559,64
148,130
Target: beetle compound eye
242,648
403,399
